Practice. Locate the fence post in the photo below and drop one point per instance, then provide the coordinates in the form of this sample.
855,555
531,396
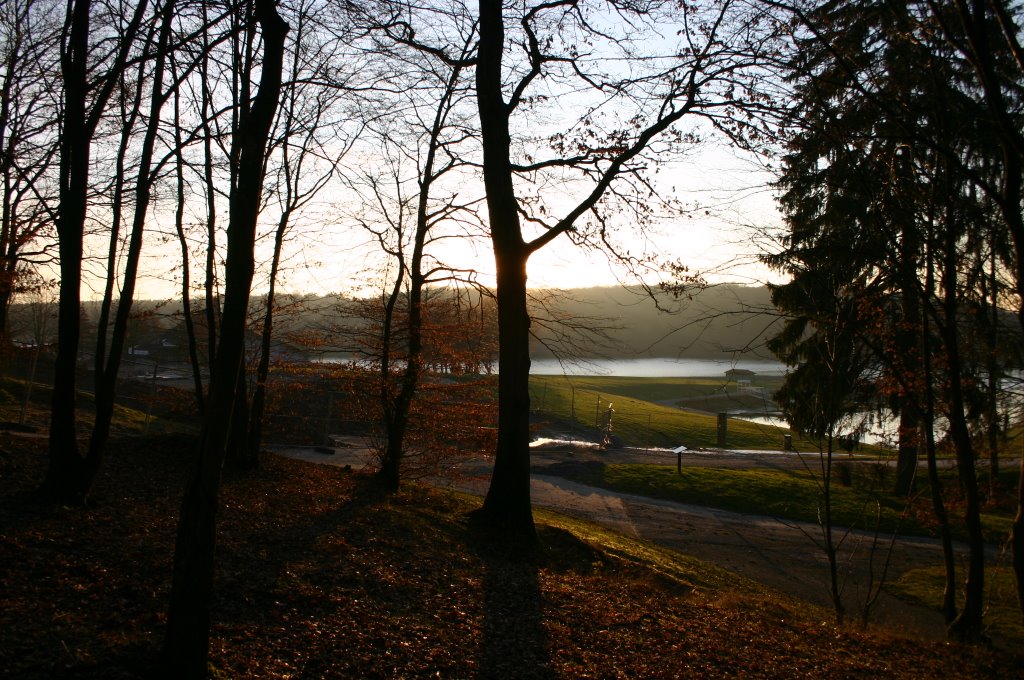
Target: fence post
152,397
572,408
327,418
723,425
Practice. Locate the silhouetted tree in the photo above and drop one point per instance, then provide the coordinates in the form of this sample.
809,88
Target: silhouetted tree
85,97
186,644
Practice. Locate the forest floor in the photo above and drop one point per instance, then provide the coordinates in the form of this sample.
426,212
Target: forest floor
320,576
782,554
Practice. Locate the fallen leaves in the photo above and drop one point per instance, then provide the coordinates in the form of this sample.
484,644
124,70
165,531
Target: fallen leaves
318,578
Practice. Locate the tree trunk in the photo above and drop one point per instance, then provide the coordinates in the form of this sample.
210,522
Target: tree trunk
831,549
1014,178
67,468
967,627
983,57
949,609
507,504
106,381
906,457
65,464
907,328
238,452
1017,539
394,423
398,409
186,281
186,644
259,396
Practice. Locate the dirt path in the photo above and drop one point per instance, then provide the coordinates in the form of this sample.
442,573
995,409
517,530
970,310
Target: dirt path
779,554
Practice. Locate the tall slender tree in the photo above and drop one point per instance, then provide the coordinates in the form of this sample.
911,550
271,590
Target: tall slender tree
305,164
109,365
85,95
186,643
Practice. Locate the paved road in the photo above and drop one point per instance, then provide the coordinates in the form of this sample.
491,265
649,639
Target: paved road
779,554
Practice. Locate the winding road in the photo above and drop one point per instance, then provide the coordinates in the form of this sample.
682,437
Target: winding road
779,554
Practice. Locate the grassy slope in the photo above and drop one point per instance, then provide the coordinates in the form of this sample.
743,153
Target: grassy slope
319,577
126,420
639,422
787,494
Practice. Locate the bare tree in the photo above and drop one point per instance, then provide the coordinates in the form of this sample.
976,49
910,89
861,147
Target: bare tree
28,112
698,72
86,94
186,644
108,365
304,165
410,207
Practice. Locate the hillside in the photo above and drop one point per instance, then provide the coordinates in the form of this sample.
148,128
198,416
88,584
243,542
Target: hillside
719,322
319,577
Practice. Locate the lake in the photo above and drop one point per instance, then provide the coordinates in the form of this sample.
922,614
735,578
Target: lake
655,367
651,367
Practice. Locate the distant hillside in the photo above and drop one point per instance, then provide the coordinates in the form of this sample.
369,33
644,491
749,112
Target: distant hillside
718,322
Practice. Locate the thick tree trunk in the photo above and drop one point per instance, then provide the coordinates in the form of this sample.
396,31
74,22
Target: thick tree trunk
507,504
237,454
186,645
906,457
66,465
907,328
67,469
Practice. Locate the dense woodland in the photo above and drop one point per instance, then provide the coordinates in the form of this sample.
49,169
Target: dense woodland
231,133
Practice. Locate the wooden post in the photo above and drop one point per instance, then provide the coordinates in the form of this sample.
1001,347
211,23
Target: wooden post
723,425
327,418
152,397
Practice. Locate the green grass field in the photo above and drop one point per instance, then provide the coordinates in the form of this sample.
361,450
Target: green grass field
864,502
639,421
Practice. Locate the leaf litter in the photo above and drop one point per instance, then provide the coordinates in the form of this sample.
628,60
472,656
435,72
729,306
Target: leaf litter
320,576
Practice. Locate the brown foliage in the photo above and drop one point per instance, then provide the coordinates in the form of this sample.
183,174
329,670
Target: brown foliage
320,578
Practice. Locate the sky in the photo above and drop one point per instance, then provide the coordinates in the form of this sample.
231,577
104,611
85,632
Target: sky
719,237
727,211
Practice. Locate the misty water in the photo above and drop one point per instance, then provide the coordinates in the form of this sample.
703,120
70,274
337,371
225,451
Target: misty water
654,367
650,367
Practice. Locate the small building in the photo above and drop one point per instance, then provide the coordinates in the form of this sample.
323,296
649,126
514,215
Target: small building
740,374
